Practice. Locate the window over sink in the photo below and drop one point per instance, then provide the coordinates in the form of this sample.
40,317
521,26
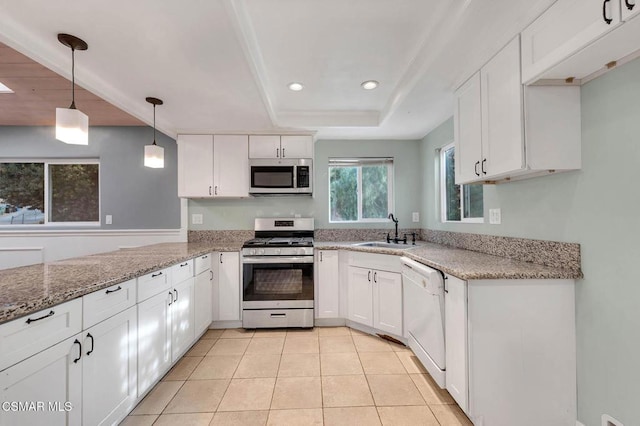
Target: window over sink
360,189
49,192
459,203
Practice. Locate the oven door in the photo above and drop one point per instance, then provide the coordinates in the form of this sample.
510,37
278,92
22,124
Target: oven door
277,282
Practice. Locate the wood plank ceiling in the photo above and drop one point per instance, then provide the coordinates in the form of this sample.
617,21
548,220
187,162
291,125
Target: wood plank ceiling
38,91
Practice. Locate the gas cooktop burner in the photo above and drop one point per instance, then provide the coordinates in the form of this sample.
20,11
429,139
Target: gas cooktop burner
280,242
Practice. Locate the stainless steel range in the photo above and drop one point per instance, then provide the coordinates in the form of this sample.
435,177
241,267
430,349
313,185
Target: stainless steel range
277,276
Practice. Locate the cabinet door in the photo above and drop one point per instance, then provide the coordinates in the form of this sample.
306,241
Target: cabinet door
195,166
51,377
264,146
182,318
502,126
387,302
455,318
296,146
109,368
227,287
327,304
630,8
360,295
230,166
565,28
154,339
202,301
467,128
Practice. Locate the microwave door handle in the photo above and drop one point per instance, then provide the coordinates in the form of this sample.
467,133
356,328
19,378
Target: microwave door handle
295,177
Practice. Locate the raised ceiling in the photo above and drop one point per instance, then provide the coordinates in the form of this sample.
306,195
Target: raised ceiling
223,65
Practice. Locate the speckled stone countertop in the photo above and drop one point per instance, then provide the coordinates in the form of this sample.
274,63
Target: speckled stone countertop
28,289
464,264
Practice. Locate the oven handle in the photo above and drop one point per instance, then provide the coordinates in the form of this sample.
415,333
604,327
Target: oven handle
277,259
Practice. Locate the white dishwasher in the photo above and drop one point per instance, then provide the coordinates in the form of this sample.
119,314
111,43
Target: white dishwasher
423,294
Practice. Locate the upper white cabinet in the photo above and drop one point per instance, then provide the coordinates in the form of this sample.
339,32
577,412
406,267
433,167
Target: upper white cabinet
327,298
506,131
275,146
213,166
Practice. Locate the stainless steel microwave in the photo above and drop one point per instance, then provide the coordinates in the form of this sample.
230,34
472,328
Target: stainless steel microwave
281,176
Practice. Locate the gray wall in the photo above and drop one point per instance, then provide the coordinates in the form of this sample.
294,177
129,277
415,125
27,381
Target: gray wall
136,196
597,207
239,214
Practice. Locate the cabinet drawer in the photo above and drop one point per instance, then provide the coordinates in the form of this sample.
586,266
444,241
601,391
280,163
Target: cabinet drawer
105,303
182,271
381,262
153,283
202,263
26,336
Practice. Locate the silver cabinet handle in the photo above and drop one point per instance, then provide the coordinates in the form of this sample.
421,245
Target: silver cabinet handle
282,152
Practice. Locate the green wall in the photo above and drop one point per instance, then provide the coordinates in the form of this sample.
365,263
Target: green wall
239,214
597,207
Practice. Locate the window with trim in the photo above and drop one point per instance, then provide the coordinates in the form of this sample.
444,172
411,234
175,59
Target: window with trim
360,189
460,203
56,192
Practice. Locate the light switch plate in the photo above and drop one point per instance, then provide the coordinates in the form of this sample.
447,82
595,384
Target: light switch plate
108,219
196,219
415,217
495,216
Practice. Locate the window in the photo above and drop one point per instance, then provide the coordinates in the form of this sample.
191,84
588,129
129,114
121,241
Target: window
460,203
49,192
360,189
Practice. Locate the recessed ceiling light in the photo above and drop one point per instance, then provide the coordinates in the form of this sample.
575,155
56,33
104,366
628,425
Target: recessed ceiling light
296,87
5,89
369,84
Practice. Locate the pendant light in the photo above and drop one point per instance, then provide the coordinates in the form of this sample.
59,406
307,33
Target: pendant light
154,154
72,125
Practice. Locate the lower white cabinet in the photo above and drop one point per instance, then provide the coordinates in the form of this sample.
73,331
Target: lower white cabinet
182,318
154,339
226,286
53,378
375,299
455,323
327,284
203,292
109,368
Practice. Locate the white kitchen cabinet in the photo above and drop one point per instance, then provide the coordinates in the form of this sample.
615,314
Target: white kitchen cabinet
195,166
154,339
387,302
275,146
360,296
213,166
629,9
524,132
468,130
562,30
105,303
455,318
203,294
226,286
327,284
109,368
182,318
230,166
52,377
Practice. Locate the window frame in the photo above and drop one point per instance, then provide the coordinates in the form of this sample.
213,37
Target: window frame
47,194
443,192
359,162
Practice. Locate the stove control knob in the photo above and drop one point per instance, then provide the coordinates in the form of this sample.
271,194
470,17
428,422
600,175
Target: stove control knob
278,251
300,251
260,252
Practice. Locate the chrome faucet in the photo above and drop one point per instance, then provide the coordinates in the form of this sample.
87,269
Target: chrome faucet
395,239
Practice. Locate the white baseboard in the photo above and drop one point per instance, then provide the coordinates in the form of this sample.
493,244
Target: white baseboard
225,324
21,248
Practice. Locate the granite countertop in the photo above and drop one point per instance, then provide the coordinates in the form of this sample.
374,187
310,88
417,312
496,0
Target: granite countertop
464,264
28,289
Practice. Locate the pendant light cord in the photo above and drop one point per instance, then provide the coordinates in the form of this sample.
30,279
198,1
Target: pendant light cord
73,79
154,124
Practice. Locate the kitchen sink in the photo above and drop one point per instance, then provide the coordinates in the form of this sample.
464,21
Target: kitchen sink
383,244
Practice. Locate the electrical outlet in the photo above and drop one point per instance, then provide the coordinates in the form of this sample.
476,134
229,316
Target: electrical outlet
108,219
415,217
495,217
196,219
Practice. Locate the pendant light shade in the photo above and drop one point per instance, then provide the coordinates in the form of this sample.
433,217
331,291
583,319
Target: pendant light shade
154,154
72,125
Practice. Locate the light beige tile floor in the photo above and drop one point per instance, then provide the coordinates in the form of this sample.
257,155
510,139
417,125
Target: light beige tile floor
323,376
